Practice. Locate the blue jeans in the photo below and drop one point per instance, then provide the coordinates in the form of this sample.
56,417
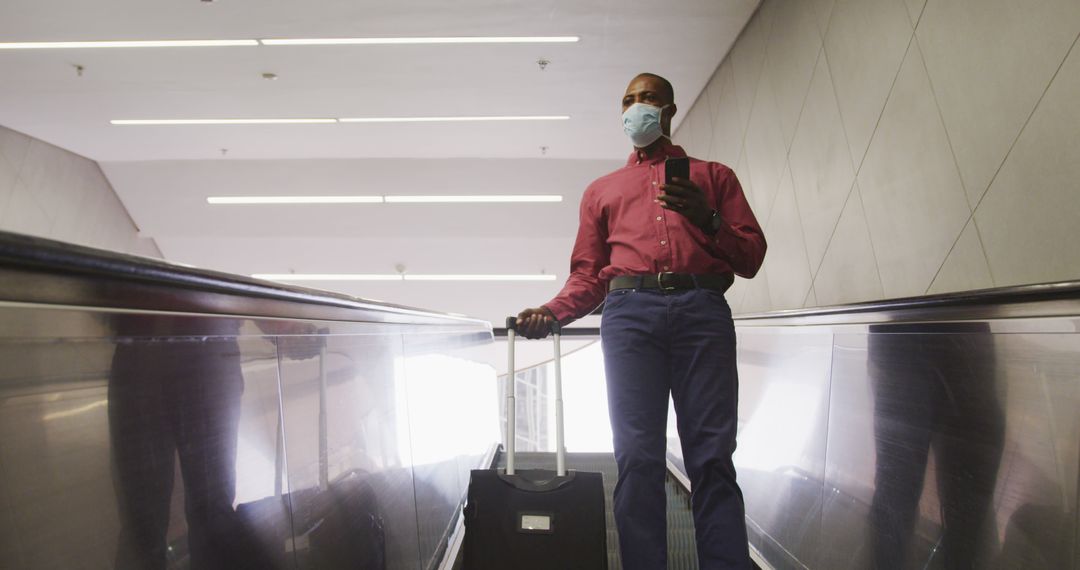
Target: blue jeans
682,343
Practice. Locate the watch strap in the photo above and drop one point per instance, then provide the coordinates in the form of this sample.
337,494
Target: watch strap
715,222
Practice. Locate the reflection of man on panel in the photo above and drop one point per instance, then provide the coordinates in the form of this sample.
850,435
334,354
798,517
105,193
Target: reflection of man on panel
664,255
172,397
935,392
175,392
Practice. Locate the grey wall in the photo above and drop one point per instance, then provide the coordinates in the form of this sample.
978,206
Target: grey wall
900,147
49,192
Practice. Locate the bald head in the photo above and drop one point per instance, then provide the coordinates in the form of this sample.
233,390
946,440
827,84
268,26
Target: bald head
665,85
651,89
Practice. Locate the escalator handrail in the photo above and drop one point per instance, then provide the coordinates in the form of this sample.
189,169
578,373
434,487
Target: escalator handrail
1039,300
1046,299
86,265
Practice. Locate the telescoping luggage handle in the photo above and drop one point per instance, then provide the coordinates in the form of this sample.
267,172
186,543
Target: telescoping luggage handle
511,418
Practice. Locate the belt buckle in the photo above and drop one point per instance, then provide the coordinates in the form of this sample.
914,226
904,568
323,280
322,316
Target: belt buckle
660,281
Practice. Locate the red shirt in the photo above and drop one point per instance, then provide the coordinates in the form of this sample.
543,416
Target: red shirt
624,231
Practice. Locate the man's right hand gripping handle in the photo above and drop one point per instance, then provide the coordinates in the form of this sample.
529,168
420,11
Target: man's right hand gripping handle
534,323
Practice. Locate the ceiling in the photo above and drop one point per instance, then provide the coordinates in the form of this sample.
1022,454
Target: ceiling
168,198
164,173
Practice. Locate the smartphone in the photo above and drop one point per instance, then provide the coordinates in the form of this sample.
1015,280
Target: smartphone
676,168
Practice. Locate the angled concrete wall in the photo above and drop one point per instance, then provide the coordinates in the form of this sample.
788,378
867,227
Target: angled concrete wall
49,192
893,148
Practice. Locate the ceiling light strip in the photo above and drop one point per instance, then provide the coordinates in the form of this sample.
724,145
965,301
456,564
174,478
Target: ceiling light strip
128,44
295,200
326,277
96,44
472,199
475,199
453,119
411,277
415,41
144,122
397,277
323,121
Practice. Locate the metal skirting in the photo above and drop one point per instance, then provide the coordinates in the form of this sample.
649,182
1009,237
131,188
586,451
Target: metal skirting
169,417
923,442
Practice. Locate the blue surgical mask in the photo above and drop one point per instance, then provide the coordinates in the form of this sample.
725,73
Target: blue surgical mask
641,122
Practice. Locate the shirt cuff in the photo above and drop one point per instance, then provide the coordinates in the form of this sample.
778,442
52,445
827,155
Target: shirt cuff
724,237
561,311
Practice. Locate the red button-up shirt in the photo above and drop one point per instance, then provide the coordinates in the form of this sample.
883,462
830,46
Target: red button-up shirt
624,231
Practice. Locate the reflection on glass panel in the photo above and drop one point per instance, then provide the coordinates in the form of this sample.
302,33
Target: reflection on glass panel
131,450
948,446
133,440
260,474
1034,516
783,422
57,506
347,459
453,420
175,408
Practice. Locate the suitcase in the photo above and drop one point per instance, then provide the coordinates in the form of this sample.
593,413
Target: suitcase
535,519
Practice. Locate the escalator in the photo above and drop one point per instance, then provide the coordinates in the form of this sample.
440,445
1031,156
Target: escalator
929,433
160,416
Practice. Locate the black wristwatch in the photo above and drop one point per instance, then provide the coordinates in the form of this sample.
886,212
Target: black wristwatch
716,222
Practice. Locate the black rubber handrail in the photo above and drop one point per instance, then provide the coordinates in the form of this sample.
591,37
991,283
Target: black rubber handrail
25,252
999,296
39,254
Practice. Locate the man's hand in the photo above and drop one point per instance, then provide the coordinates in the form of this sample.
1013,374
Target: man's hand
295,340
686,198
535,323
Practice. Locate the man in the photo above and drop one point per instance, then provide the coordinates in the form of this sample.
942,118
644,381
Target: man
664,254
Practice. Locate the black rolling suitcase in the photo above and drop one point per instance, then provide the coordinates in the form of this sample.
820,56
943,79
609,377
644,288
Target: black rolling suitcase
535,519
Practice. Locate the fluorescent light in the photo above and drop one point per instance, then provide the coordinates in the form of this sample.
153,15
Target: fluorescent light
471,199
289,42
478,199
130,122
325,277
396,277
127,44
411,277
453,119
295,200
220,121
437,40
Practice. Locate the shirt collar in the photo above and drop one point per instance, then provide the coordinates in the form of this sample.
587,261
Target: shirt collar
663,151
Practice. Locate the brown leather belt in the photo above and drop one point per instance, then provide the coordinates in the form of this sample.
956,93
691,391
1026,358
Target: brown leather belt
673,282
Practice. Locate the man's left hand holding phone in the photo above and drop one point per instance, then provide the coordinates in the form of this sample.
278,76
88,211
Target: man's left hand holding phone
683,196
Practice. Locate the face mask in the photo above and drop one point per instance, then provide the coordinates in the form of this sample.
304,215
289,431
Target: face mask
641,122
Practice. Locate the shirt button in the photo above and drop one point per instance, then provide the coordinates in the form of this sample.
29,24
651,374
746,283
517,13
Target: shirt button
663,242
666,268
655,183
658,218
